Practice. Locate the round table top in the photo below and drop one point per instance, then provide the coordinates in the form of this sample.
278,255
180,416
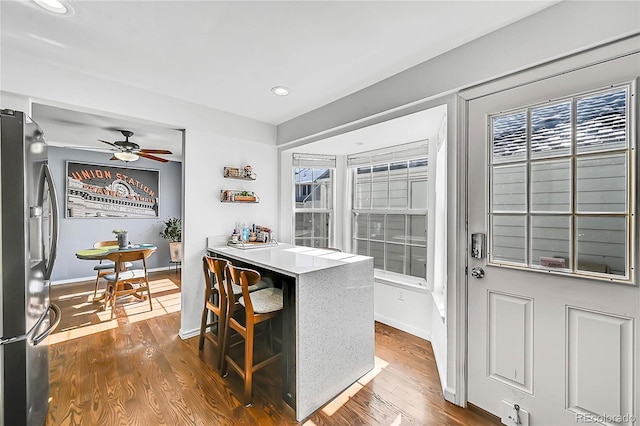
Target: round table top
101,252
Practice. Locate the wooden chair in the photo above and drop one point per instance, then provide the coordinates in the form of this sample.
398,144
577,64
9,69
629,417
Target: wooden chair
215,301
130,282
104,268
259,306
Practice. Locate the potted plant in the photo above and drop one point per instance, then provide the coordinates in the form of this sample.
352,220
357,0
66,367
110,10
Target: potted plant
122,236
173,232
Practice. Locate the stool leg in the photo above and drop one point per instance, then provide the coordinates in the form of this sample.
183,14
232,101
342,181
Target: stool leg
203,324
248,364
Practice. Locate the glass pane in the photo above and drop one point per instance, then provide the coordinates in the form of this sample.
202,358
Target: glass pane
304,225
322,188
550,241
602,244
361,225
395,228
509,137
395,258
376,227
551,130
363,188
307,242
418,169
602,121
360,247
417,266
380,186
320,242
509,238
602,184
321,226
417,230
551,186
509,192
377,252
419,191
398,189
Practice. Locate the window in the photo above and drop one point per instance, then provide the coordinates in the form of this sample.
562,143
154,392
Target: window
390,208
313,199
561,184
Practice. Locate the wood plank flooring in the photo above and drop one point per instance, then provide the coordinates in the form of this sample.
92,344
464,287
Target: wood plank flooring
135,370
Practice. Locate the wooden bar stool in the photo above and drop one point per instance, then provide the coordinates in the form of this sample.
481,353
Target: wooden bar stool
215,301
259,306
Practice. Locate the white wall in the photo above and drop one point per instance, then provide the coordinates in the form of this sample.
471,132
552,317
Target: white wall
213,139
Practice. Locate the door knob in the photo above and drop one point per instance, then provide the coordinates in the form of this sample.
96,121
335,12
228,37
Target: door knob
477,272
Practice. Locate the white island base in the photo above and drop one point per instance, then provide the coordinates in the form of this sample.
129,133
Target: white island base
328,319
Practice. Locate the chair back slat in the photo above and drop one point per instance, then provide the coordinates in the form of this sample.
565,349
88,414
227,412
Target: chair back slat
130,255
244,278
214,267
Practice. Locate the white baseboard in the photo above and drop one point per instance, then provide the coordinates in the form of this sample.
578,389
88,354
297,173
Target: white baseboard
403,326
188,334
450,394
93,277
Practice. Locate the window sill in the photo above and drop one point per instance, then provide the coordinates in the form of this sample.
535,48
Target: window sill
438,300
415,284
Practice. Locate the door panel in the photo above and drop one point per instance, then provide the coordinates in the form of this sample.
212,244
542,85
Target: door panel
561,347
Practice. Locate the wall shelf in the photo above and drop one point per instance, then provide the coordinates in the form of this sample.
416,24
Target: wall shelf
236,196
239,173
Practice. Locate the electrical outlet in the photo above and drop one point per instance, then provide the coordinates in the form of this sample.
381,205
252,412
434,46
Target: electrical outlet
511,416
400,295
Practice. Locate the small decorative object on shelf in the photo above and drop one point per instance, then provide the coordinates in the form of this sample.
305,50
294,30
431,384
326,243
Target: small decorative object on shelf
235,196
245,173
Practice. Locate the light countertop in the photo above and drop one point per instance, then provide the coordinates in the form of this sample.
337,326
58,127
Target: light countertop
289,259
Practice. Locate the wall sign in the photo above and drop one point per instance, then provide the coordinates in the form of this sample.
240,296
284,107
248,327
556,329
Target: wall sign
95,190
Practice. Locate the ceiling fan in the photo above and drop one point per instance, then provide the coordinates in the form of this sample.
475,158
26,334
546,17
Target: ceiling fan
131,151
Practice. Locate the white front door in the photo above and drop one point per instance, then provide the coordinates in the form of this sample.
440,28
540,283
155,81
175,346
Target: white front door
552,326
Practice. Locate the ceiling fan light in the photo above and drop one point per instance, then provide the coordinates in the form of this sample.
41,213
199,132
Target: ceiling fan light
126,156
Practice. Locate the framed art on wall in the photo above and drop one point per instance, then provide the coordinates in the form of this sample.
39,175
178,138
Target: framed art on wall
95,190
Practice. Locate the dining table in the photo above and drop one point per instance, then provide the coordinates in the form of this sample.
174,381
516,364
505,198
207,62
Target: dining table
101,253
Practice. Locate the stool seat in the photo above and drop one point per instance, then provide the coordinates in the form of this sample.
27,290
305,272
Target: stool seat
237,290
110,265
265,300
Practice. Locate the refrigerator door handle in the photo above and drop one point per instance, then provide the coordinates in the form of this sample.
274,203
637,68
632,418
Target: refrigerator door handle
52,326
54,215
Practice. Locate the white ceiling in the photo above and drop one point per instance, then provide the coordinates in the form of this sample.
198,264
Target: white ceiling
229,54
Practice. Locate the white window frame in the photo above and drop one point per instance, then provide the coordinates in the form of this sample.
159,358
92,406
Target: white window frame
407,152
315,161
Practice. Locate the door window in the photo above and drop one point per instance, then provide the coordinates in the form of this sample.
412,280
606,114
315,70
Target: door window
561,185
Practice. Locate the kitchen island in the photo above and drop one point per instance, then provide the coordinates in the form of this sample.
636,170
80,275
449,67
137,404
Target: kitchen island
328,322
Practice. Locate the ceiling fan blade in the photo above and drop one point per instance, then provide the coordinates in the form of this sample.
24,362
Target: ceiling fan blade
109,143
152,157
156,151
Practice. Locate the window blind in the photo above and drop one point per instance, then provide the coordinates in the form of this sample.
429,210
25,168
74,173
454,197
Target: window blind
314,161
401,152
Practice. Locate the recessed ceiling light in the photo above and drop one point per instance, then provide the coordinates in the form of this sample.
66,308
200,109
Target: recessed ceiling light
55,6
280,90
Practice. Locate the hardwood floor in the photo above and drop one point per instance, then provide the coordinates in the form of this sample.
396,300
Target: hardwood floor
135,370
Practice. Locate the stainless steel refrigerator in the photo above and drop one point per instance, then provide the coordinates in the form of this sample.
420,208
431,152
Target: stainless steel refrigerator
28,239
